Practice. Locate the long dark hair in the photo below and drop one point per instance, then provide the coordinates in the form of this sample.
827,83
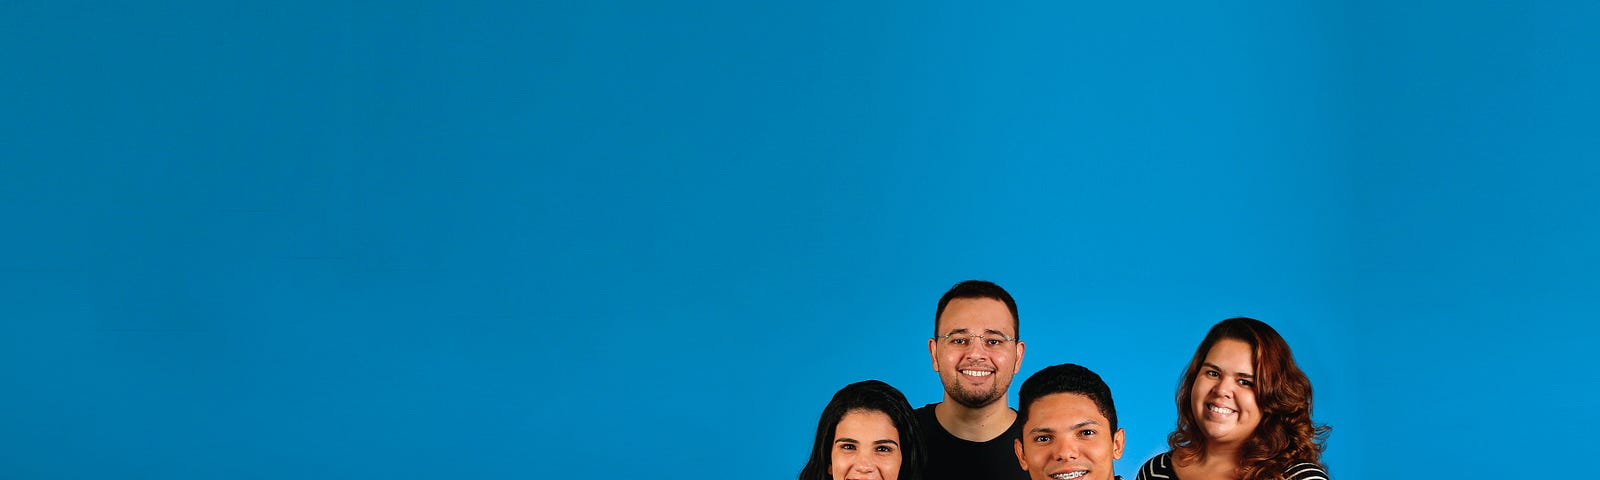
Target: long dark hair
1286,436
875,396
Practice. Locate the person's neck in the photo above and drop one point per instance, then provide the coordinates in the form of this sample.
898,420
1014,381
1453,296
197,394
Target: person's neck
1222,457
980,424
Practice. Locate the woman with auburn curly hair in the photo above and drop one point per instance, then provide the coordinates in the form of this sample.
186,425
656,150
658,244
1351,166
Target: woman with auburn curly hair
1244,412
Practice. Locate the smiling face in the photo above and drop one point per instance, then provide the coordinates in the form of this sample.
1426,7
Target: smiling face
866,446
1223,394
976,374
1066,437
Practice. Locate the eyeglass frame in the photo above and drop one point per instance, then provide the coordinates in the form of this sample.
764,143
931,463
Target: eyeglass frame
1003,338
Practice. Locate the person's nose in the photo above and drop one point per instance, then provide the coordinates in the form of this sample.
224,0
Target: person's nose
1222,389
865,465
1066,451
976,350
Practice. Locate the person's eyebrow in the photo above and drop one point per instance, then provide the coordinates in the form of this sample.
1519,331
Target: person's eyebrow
1074,426
996,332
958,330
846,440
886,442
1217,368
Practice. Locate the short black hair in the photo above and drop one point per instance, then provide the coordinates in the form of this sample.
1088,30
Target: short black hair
1067,378
978,289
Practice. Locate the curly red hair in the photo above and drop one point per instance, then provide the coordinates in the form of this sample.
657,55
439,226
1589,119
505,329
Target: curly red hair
1286,435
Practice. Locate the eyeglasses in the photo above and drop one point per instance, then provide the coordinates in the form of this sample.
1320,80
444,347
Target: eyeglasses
963,341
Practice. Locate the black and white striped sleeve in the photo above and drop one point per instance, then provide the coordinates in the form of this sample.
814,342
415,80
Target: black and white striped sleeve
1306,471
1158,468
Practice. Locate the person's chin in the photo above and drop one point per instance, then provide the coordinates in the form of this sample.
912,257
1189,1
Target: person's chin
976,399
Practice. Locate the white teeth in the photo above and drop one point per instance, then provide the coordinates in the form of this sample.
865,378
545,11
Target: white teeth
1065,476
976,373
1220,410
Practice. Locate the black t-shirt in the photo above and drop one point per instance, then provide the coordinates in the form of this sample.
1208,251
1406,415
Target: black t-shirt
951,458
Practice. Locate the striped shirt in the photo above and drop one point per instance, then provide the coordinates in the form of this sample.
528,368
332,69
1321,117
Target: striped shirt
1160,468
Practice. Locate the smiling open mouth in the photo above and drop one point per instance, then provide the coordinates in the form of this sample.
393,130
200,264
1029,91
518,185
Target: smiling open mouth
976,373
1069,475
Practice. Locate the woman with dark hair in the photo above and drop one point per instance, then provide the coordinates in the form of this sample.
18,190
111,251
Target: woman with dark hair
1244,412
868,431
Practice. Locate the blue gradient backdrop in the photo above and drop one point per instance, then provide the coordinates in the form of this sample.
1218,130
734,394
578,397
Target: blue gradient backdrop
530,239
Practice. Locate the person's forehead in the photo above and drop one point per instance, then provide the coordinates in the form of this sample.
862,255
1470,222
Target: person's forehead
1063,410
860,422
976,315
1231,354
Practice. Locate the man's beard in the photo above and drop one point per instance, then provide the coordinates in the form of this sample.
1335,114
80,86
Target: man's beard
971,399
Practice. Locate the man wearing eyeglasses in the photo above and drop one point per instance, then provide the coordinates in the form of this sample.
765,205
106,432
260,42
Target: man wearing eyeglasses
970,435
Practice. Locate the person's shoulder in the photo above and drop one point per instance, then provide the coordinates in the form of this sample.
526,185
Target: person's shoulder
1159,466
1306,471
928,419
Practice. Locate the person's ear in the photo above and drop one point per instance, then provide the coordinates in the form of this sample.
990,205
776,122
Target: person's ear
932,354
1116,444
1017,446
1021,348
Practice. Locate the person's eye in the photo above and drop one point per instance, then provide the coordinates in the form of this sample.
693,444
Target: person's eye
885,449
846,446
1088,432
958,340
1211,373
1041,439
1246,383
993,342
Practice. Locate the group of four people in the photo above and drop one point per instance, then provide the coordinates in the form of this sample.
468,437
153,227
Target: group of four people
1244,411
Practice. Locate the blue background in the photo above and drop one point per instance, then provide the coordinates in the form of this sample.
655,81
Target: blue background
509,240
